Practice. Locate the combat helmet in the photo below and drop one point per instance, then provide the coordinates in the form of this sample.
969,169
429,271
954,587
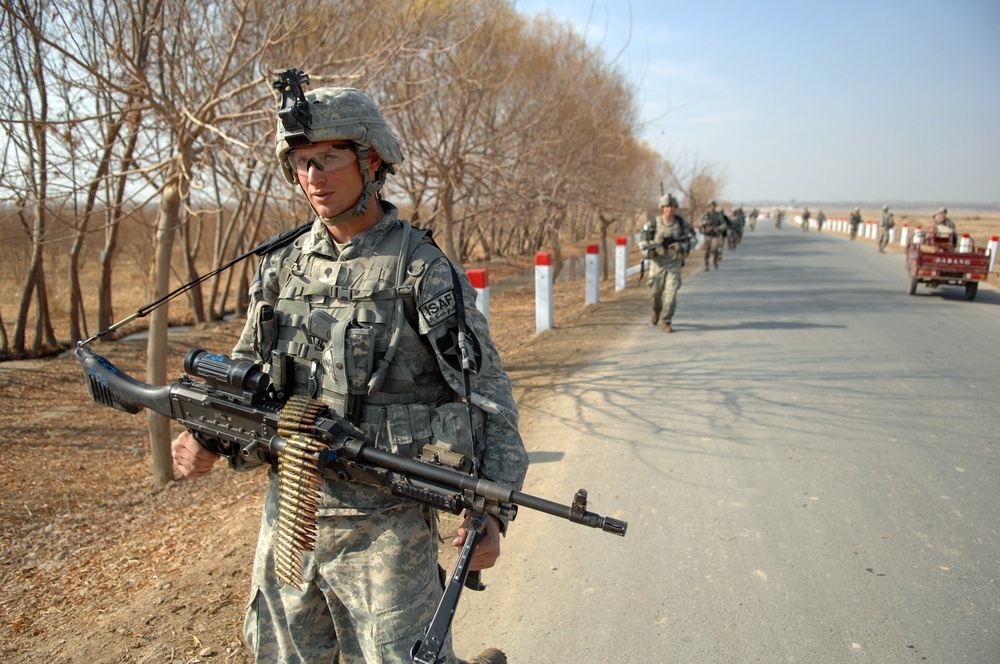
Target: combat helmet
668,200
347,114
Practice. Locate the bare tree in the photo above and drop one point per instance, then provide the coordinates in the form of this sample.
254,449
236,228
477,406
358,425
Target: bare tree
26,104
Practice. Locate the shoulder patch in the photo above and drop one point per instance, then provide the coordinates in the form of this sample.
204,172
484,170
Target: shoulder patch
439,308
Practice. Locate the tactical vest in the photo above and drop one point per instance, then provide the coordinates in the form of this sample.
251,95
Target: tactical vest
345,332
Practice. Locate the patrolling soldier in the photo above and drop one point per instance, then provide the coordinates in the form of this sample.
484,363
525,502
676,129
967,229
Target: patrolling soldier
362,312
855,222
885,224
739,221
820,220
713,226
806,215
666,249
944,226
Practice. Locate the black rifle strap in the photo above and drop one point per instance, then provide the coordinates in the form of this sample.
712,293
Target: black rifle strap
274,242
466,352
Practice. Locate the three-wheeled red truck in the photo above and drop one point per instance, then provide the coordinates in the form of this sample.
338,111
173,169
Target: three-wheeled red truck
935,261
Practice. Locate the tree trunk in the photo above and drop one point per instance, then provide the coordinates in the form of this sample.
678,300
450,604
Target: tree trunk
21,323
448,223
189,243
45,334
4,352
605,257
156,348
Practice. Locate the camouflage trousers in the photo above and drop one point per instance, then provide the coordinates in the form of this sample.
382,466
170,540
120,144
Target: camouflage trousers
713,249
663,285
369,591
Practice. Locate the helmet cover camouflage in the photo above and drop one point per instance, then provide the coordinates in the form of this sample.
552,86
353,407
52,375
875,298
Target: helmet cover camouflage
668,200
343,114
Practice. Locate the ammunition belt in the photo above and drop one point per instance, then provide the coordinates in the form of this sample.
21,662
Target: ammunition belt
298,487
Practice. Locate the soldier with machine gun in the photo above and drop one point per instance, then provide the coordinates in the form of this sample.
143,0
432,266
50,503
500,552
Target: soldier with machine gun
363,315
666,248
714,228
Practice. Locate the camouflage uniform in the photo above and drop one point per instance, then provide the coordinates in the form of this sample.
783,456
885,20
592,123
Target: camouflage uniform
369,327
855,222
667,249
739,221
372,584
885,224
820,220
713,227
806,215
944,226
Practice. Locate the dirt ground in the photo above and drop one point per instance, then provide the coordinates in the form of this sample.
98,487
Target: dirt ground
98,565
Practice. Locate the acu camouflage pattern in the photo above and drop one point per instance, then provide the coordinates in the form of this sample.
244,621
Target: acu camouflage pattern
887,220
665,264
713,227
418,403
370,589
342,114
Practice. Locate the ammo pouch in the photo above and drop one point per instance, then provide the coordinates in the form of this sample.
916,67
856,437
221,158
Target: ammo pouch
411,426
348,360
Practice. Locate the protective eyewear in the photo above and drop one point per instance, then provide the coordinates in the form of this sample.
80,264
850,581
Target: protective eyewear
331,159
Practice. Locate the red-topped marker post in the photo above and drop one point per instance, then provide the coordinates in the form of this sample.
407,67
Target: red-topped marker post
480,280
991,248
544,311
593,275
965,244
621,263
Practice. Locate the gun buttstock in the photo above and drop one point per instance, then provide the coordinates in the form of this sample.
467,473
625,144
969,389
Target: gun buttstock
110,386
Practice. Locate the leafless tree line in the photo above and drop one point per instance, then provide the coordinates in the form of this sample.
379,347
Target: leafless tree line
159,117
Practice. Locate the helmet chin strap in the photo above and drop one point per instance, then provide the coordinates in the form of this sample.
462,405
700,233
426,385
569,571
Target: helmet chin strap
371,187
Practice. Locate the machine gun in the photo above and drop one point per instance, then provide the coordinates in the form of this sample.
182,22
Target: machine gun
235,412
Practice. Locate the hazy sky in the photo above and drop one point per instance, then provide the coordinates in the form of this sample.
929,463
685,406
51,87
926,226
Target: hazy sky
834,101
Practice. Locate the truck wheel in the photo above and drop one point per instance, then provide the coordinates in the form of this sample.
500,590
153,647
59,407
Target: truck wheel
913,285
971,288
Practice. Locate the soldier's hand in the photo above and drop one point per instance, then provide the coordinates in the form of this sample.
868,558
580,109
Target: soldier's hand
190,458
487,550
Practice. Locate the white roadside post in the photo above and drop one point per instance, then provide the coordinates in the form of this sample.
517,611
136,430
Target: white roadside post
904,235
965,244
892,235
991,247
480,280
544,305
621,263
593,275
918,235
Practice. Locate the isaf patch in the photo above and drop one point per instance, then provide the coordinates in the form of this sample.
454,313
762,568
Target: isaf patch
439,308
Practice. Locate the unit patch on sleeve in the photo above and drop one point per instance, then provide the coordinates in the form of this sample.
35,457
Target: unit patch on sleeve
438,308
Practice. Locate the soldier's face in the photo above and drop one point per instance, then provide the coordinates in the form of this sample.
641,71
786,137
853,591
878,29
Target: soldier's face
668,211
330,175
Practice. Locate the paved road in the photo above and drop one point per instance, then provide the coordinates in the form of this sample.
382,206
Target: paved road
809,469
